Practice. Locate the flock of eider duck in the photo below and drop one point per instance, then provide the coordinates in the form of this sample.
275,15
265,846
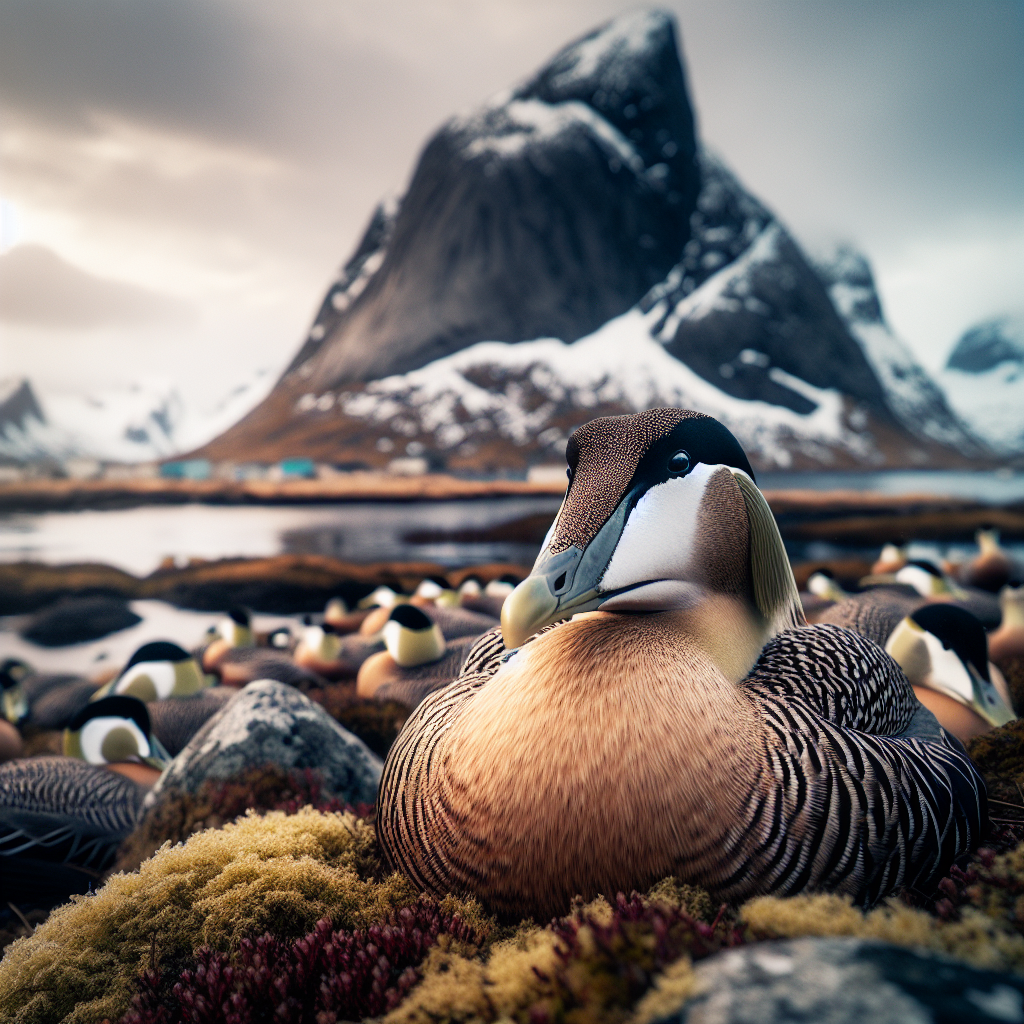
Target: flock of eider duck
656,698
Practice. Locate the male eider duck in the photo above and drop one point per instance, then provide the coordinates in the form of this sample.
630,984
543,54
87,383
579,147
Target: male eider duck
235,630
683,721
159,670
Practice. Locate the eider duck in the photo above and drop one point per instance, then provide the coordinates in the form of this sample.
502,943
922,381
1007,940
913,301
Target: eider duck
158,670
235,630
683,721
411,639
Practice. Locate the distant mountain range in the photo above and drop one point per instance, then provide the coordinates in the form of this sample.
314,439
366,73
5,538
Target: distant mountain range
143,423
571,250
984,378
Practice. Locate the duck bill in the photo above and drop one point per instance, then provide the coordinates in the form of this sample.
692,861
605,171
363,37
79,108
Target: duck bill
561,584
988,702
158,757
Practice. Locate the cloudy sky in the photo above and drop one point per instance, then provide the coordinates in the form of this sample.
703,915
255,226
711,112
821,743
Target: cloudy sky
180,180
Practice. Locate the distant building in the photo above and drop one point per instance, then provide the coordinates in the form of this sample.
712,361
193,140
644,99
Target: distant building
82,469
293,469
408,466
186,469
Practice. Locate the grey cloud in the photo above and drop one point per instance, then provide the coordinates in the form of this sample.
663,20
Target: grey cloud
39,288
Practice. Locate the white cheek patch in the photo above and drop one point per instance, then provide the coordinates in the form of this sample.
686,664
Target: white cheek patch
94,732
161,672
657,542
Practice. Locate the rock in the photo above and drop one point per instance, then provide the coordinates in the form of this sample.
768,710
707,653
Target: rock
76,620
550,212
174,722
847,981
272,723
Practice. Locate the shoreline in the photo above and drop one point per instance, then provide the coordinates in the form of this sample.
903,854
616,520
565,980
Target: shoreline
100,495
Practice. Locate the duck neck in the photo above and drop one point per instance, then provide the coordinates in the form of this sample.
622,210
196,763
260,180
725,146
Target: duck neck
1012,607
727,628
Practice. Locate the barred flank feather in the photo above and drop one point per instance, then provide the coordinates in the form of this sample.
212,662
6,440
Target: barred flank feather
830,795
63,810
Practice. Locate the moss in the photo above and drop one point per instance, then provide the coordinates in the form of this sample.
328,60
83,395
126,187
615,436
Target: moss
978,938
999,756
268,788
277,873
600,964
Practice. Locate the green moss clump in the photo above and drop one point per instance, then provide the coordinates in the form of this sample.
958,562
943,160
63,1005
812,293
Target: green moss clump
999,756
975,937
268,788
277,873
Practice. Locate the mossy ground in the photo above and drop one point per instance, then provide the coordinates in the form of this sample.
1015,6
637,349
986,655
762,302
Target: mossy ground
291,876
306,879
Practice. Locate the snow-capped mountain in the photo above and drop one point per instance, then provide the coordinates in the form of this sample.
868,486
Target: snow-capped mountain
570,251
917,401
984,379
141,423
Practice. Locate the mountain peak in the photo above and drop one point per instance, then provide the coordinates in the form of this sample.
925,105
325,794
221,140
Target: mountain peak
988,344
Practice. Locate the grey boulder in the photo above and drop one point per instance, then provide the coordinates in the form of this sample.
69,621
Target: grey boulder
847,981
272,723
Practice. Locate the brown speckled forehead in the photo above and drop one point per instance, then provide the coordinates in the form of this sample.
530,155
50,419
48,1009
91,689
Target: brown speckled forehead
607,453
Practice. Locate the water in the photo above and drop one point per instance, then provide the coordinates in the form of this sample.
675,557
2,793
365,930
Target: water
996,488
138,540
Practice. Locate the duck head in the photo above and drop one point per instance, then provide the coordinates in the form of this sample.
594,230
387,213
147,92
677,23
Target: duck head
13,702
114,730
661,513
943,648
158,670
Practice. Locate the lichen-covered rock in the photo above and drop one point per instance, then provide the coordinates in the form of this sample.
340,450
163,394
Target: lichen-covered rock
272,723
845,981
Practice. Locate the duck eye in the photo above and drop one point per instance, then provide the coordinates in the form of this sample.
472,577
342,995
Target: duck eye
679,463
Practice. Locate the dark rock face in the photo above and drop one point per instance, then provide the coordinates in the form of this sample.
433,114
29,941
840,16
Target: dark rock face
767,311
984,347
544,216
78,620
915,399
18,404
847,981
272,723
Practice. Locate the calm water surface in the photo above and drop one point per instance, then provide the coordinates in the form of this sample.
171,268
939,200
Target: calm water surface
137,540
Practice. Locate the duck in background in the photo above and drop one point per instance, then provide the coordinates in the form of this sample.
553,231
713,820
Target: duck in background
115,732
891,560
411,639
943,651
343,620
931,583
13,707
233,631
158,670
1006,644
991,569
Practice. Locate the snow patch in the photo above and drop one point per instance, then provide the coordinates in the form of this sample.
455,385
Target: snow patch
518,388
